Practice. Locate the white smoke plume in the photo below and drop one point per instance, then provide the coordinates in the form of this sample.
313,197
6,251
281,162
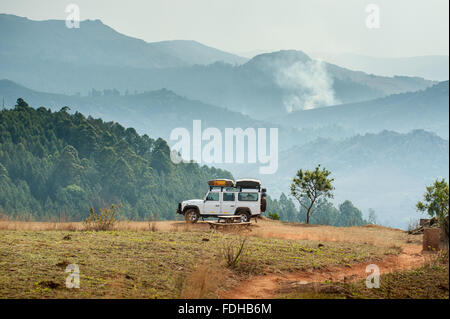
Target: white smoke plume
307,85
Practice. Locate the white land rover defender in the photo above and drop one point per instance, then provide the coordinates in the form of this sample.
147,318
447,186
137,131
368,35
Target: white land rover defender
245,198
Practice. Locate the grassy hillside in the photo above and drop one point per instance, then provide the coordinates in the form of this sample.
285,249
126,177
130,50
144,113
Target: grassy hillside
173,262
56,165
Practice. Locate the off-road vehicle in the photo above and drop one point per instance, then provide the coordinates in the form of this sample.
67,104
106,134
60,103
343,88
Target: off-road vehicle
245,198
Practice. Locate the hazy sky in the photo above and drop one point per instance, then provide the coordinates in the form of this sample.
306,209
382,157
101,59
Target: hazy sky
407,28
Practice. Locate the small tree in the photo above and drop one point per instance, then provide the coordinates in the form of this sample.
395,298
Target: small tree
436,203
372,216
309,186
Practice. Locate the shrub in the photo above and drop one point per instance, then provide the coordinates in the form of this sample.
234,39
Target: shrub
233,249
104,220
274,216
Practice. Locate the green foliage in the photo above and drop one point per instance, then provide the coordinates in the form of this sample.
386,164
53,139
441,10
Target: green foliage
436,201
310,186
284,207
274,216
323,213
56,163
350,215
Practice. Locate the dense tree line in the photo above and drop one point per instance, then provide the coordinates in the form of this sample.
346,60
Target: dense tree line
55,164
325,213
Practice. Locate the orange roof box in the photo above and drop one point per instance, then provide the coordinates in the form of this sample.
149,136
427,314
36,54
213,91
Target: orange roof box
221,182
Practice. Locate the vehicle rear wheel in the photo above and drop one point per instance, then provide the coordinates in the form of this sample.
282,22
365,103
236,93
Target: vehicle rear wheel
191,216
245,216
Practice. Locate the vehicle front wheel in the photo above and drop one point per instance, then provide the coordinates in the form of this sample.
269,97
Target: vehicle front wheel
191,216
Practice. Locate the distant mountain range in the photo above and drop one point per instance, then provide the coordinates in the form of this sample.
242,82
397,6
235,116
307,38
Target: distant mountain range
157,113
95,43
432,67
96,56
426,109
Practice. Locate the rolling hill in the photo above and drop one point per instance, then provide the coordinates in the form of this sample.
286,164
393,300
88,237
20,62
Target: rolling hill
426,109
157,113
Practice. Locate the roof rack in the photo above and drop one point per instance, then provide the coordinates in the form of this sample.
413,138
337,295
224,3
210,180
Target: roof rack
244,183
221,183
248,183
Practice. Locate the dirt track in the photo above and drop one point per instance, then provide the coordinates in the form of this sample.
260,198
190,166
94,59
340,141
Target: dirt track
263,287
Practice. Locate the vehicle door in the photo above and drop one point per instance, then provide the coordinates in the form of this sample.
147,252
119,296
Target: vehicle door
250,200
212,204
228,204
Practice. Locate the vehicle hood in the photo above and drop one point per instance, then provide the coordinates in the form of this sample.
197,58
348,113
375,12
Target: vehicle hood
195,202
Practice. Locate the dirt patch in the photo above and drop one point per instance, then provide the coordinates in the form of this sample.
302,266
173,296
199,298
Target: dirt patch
63,264
49,284
263,287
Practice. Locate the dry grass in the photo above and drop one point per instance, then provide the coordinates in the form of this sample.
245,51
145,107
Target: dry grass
368,234
78,226
148,264
161,226
39,226
209,276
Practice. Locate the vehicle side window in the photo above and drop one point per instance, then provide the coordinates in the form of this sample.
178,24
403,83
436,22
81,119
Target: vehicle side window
248,197
213,197
228,197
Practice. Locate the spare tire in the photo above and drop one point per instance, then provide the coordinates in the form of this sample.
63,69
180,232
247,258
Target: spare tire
263,204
